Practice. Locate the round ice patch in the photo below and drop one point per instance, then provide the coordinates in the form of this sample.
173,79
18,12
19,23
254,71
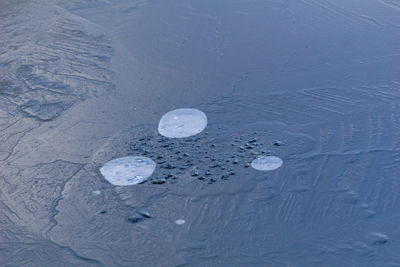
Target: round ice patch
266,163
180,221
182,122
128,170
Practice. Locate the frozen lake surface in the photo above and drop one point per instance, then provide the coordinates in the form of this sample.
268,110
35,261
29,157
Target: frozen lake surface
84,84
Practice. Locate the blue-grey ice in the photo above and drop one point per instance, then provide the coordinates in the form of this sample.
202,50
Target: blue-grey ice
128,170
266,163
182,122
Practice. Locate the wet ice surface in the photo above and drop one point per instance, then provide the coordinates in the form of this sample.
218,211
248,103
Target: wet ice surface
313,83
181,123
269,163
128,170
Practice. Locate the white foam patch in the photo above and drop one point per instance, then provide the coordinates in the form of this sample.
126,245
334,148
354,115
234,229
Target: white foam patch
128,170
182,122
266,163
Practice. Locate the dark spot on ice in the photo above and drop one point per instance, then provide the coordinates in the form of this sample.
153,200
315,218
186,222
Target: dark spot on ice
377,238
195,172
278,143
254,140
158,180
134,217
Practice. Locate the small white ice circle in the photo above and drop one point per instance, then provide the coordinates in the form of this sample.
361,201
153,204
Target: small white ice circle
266,163
180,221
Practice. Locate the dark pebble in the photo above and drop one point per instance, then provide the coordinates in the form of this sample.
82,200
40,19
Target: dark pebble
158,180
253,140
169,166
278,143
134,217
194,173
378,238
248,146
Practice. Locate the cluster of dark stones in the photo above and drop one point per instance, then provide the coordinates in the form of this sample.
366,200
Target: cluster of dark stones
203,157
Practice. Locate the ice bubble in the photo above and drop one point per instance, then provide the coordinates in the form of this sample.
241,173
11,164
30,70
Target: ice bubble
266,163
180,221
128,170
182,122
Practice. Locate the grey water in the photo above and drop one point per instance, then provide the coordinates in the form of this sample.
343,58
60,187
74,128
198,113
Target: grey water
313,83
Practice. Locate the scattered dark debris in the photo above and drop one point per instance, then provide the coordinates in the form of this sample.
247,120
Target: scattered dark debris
158,180
193,157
